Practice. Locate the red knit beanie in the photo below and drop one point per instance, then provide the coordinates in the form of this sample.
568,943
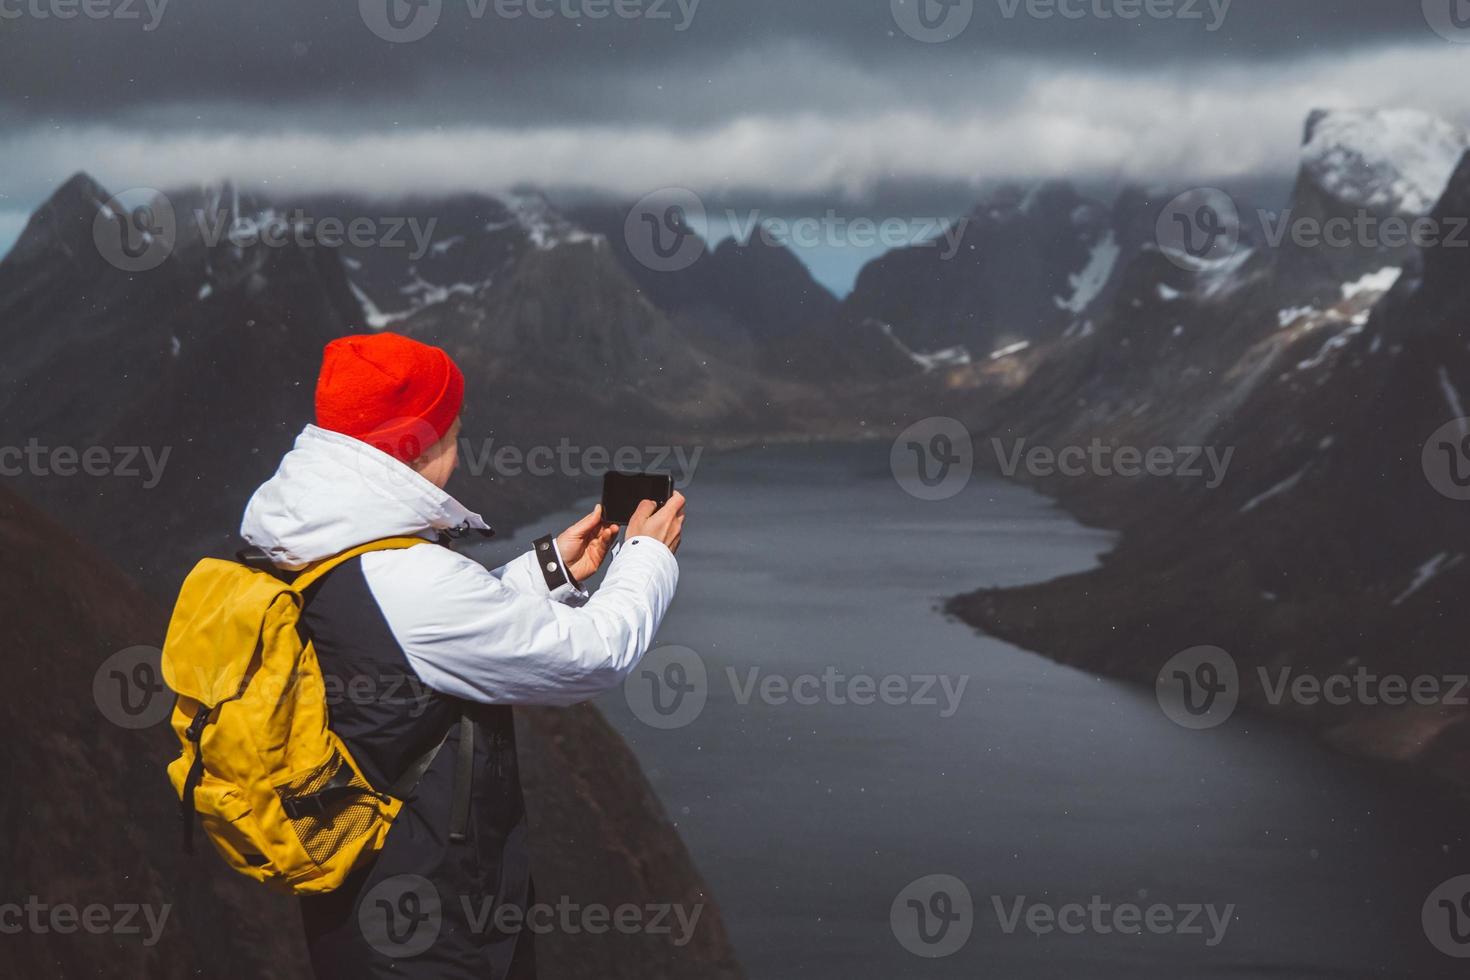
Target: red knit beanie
390,392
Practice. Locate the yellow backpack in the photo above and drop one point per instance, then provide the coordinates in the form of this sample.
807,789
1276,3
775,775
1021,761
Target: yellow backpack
276,791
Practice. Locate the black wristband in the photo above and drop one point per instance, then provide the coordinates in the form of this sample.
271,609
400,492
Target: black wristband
552,570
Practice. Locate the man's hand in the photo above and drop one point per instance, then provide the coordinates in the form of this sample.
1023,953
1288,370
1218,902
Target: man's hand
584,545
665,523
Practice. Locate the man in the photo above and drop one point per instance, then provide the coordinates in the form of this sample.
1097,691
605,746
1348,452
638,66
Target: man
423,645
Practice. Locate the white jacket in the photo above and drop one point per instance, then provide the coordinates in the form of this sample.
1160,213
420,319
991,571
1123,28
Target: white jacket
498,637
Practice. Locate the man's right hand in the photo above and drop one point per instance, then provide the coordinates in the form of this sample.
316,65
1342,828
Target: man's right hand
665,523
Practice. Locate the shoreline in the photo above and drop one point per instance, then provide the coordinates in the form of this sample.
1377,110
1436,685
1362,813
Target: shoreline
1401,740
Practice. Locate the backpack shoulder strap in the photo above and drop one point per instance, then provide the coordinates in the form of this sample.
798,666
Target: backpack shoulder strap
311,573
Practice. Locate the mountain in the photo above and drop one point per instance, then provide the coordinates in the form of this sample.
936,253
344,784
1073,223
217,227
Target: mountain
186,377
1028,266
192,375
84,783
1366,176
88,815
1324,548
746,301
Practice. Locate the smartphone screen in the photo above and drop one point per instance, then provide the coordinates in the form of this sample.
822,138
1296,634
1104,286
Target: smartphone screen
622,492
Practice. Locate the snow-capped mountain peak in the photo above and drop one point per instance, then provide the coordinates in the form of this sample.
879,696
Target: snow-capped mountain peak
544,225
1386,160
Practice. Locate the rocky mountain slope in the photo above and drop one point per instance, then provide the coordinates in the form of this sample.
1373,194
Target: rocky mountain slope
90,819
1327,547
195,373
1030,265
188,375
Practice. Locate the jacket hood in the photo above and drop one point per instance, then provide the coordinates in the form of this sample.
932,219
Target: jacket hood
333,492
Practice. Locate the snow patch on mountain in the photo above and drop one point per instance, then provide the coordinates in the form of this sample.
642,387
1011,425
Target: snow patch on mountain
372,314
1427,572
957,356
1087,284
1220,276
1451,394
1378,282
1010,349
1291,314
1388,160
544,226
1285,486
1333,343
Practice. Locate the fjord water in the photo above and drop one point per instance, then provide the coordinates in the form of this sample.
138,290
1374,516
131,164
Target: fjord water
1047,786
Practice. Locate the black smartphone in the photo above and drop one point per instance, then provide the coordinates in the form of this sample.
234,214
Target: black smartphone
623,492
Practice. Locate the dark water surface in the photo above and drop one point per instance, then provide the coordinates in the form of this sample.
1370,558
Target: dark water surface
1047,786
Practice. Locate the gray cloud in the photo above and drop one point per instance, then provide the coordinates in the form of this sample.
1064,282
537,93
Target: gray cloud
285,53
813,100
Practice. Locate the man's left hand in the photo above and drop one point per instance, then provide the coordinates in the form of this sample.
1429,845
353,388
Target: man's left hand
584,545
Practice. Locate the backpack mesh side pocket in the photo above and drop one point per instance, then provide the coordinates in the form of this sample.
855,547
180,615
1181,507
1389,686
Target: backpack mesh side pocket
329,806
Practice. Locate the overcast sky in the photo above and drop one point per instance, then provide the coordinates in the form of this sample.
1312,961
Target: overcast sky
832,101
